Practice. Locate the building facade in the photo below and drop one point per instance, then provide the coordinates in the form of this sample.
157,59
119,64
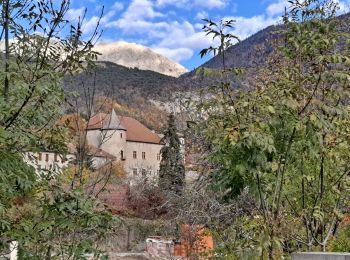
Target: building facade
127,140
47,161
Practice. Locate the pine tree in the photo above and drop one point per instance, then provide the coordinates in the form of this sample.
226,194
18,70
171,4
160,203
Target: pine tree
172,169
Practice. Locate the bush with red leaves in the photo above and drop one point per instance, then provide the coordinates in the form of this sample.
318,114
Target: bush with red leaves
146,201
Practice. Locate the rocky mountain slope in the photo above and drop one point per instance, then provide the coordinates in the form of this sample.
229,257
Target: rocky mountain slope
254,50
133,55
249,54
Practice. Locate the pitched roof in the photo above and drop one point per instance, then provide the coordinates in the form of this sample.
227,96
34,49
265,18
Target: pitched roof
135,131
112,122
96,121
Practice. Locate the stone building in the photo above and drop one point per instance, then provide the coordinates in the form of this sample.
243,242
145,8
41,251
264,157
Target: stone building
48,161
127,140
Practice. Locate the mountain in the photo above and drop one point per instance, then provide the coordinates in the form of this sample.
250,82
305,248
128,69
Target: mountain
130,90
133,55
139,92
253,51
121,82
248,54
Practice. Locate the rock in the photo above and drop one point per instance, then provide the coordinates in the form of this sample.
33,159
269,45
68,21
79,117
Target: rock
133,55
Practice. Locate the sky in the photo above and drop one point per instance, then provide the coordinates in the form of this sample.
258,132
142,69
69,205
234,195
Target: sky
173,28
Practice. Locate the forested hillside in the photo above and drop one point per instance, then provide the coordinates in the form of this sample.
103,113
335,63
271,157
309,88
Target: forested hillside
250,53
131,90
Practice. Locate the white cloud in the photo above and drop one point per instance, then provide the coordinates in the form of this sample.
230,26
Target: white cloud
209,4
171,2
245,27
277,8
201,15
91,24
344,6
118,6
74,14
178,55
135,18
185,36
141,9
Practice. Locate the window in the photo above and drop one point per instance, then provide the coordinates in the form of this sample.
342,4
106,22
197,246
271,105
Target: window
134,154
56,158
121,135
143,172
47,157
134,172
122,154
40,156
158,157
143,155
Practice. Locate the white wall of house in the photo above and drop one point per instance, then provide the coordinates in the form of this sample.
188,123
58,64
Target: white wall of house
147,161
140,159
48,161
94,137
114,142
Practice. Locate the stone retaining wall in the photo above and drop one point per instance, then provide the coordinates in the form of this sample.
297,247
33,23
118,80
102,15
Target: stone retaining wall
320,256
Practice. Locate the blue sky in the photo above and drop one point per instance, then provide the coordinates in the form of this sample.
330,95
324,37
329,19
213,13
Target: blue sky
173,27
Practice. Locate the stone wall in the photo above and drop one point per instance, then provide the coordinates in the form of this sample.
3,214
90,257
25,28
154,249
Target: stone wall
320,256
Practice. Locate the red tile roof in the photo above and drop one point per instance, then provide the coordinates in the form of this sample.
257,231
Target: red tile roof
96,122
136,132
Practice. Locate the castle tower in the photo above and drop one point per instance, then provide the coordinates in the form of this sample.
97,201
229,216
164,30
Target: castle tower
113,136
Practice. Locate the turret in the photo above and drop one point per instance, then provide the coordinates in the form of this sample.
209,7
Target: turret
113,136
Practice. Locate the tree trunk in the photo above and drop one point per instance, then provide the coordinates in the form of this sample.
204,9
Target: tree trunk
5,14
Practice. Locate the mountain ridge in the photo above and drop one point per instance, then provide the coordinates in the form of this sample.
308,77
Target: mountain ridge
240,54
134,55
